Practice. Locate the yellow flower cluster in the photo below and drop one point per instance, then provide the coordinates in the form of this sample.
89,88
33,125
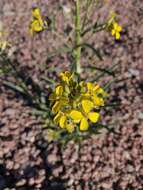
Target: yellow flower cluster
37,24
114,27
76,103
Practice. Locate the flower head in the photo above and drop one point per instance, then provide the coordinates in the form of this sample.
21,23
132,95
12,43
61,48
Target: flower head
64,121
95,93
38,24
66,76
74,103
84,115
116,30
114,27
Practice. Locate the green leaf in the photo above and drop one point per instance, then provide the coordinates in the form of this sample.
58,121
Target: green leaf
48,80
100,69
111,105
40,113
108,84
94,28
95,51
113,68
14,87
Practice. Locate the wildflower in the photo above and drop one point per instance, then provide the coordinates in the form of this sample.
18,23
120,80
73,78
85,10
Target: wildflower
66,76
38,24
116,29
95,93
58,98
64,121
35,26
84,115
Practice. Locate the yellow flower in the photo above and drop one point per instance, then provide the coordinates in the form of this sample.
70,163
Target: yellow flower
98,95
58,98
84,115
57,93
59,90
37,24
95,93
113,26
36,13
64,121
66,76
116,29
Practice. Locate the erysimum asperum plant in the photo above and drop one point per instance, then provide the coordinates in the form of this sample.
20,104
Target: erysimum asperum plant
73,109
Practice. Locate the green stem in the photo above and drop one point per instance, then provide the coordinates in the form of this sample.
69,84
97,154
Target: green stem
77,38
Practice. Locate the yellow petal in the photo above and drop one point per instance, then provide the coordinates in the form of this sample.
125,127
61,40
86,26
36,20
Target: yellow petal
36,26
62,122
84,124
89,86
96,87
117,36
76,115
66,76
87,105
113,32
119,28
93,116
101,92
98,101
59,90
115,25
57,118
36,13
56,107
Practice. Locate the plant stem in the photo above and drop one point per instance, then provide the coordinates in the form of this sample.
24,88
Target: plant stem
77,38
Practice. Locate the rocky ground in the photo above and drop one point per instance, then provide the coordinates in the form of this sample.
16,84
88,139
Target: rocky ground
109,161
